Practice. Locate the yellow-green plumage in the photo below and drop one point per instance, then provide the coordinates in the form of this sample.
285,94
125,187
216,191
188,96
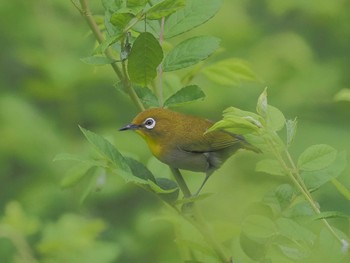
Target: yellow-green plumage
181,140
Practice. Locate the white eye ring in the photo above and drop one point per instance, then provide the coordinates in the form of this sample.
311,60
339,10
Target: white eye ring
149,123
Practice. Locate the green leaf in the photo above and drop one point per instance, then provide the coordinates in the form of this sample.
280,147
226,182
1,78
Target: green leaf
139,170
270,166
292,250
315,179
164,9
233,111
167,189
292,230
185,95
253,118
136,3
259,227
253,250
301,209
164,186
121,19
284,194
275,119
229,72
262,106
280,198
144,58
106,149
236,125
329,214
190,52
316,157
291,126
341,188
342,95
105,44
195,13
76,174
146,96
97,60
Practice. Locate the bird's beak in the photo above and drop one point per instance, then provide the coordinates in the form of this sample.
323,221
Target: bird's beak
130,127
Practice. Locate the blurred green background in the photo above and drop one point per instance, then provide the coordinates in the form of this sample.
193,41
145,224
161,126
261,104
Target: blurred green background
300,49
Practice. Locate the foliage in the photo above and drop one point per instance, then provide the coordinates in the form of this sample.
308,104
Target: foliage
79,208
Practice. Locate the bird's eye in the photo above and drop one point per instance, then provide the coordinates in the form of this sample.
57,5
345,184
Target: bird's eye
150,123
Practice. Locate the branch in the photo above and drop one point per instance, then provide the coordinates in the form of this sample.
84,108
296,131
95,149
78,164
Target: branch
86,13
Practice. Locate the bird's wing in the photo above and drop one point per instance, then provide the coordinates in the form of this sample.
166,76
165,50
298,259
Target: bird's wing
210,142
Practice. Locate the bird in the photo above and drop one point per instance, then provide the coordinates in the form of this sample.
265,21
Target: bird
182,142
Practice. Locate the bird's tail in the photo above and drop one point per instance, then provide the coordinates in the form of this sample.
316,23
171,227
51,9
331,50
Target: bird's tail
246,145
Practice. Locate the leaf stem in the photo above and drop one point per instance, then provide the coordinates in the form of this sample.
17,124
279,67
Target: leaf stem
294,175
160,68
202,226
121,73
197,220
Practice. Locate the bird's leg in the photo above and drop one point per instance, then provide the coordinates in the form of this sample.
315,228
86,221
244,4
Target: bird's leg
203,183
181,182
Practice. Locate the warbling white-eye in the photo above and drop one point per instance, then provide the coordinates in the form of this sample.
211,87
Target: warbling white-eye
180,141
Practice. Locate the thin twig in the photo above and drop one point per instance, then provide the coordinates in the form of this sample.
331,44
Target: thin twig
295,177
160,68
86,13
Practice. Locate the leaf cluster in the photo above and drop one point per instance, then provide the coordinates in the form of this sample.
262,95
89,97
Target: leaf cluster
286,223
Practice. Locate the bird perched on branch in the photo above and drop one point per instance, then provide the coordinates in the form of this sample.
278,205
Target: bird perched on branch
181,141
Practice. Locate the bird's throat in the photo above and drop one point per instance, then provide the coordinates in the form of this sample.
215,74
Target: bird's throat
154,146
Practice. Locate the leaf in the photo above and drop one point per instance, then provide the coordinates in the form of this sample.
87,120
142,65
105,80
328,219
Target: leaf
166,189
229,72
293,251
341,188
316,157
259,227
284,194
275,119
195,13
164,186
241,113
329,214
105,44
291,126
164,9
146,96
236,125
97,60
185,95
144,58
292,230
121,19
106,149
342,95
246,115
301,209
190,52
139,170
262,106
315,179
76,174
269,166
